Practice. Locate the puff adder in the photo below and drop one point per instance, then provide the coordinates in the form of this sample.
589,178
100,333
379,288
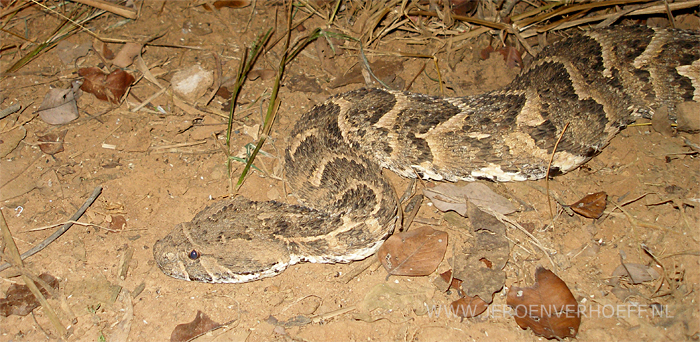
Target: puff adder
596,81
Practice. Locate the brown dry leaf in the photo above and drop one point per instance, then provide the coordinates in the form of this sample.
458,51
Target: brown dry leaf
126,55
52,143
59,106
455,283
106,87
547,307
68,52
468,307
485,53
637,273
480,263
263,74
591,206
510,54
384,70
414,253
187,331
447,196
104,49
303,83
464,7
227,3
116,222
20,301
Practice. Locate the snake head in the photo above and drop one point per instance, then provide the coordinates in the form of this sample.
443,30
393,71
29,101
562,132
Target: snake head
188,253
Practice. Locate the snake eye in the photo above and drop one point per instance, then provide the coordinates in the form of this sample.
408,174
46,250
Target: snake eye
194,255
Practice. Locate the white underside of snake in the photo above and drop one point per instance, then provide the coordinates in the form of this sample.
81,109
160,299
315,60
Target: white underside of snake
596,82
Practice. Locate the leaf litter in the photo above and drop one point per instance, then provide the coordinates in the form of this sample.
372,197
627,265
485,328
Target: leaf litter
428,28
20,301
414,253
547,307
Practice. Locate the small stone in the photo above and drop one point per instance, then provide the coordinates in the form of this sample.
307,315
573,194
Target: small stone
192,83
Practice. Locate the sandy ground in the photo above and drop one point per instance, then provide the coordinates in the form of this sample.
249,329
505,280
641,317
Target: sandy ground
155,188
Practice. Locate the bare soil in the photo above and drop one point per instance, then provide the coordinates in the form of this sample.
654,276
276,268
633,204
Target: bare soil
650,175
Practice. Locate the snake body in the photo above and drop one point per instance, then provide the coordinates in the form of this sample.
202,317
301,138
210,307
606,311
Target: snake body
594,83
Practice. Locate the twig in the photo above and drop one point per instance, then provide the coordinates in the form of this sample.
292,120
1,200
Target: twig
549,167
60,231
73,222
471,20
9,110
109,7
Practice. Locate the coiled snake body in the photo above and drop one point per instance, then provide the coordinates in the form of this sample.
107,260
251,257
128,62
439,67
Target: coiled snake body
597,82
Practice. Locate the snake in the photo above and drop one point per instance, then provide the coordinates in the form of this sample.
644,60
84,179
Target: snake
557,114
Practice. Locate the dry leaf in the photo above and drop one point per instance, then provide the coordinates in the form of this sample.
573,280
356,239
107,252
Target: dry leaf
414,253
263,74
303,84
384,70
468,307
59,105
117,222
106,87
591,206
510,54
126,55
68,52
103,49
52,143
547,307
187,331
637,273
455,284
227,3
20,301
447,196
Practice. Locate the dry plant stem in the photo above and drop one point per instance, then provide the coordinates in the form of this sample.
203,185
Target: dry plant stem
573,8
437,68
410,83
60,231
9,110
637,223
13,10
476,21
549,167
637,12
73,222
358,268
110,7
17,261
646,249
70,25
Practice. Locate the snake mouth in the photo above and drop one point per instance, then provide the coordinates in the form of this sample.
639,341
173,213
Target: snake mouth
168,261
